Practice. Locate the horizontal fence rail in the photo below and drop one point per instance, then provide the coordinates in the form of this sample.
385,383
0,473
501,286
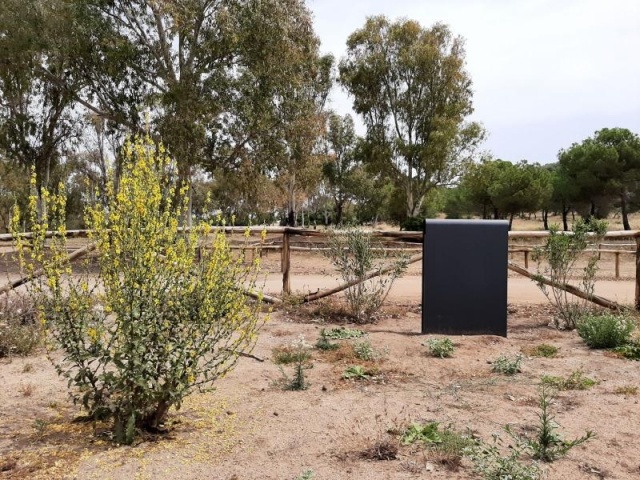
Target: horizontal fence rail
401,240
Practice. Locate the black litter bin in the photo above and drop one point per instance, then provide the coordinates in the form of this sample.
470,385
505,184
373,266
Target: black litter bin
464,277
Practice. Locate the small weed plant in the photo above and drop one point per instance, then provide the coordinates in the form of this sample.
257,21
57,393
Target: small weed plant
491,462
440,347
575,381
365,351
356,372
606,330
299,352
27,389
547,444
306,475
444,445
557,261
288,354
155,323
352,253
325,344
507,365
542,350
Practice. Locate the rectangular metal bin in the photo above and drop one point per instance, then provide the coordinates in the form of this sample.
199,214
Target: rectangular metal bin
464,277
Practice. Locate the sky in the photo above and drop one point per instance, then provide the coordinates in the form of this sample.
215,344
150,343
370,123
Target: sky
546,73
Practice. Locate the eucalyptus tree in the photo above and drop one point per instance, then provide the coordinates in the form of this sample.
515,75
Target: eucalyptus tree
342,161
411,88
38,125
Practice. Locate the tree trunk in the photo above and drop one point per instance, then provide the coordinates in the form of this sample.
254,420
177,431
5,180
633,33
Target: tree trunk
410,203
291,202
545,219
339,209
495,214
623,210
565,223
510,220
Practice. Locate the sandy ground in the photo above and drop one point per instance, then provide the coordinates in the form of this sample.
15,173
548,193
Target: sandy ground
250,428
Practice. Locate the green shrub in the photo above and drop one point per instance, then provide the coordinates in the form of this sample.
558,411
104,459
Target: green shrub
155,322
352,253
606,330
507,365
557,260
413,224
440,347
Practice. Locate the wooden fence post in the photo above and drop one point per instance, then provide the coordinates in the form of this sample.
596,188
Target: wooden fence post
637,303
286,264
526,259
617,264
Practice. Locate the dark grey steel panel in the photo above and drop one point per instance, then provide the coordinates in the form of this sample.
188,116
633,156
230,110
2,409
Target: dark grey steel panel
464,277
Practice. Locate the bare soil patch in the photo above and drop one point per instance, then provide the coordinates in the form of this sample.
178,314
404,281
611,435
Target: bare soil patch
251,429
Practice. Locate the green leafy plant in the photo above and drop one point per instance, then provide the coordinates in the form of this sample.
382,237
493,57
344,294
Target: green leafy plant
575,381
352,253
341,333
356,372
507,365
440,347
491,463
542,350
630,351
365,351
546,444
606,330
446,446
557,260
306,475
154,323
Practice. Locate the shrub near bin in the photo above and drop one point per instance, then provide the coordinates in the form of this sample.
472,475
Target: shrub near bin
606,330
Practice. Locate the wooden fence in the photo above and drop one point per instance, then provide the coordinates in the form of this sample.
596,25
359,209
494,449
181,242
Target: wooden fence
411,241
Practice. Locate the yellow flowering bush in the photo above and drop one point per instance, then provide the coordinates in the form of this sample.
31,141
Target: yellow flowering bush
155,323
